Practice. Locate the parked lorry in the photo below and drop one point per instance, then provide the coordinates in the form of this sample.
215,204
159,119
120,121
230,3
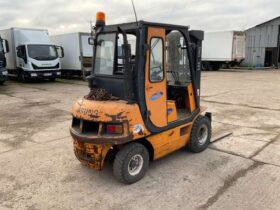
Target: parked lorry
77,59
32,54
4,48
223,49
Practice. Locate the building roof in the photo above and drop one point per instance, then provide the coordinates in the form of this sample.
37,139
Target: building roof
263,23
268,21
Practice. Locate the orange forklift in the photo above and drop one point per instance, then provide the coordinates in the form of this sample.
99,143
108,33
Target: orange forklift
144,101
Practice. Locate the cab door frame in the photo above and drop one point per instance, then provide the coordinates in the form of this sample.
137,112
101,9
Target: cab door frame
143,49
156,91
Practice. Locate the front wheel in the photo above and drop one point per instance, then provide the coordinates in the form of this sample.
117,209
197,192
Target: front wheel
200,134
22,77
131,163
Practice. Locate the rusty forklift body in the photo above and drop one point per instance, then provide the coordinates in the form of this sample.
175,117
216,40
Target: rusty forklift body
151,72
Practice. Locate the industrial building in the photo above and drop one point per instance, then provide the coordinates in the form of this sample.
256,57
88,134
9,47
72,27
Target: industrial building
262,44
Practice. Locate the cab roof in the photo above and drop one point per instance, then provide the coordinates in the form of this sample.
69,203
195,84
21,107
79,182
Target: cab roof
141,23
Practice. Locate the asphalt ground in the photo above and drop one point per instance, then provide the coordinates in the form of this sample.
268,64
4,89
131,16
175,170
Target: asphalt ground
38,169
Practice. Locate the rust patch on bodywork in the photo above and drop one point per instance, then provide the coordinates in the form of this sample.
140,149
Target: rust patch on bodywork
171,133
91,155
92,143
100,140
94,116
110,112
116,117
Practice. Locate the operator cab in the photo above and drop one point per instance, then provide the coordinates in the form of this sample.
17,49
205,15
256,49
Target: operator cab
163,77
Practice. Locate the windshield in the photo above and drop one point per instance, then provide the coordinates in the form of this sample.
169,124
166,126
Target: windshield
42,52
105,53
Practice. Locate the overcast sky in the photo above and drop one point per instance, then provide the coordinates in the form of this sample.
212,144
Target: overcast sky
61,16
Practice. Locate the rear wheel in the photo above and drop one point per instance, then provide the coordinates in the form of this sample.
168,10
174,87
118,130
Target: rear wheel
206,66
2,82
131,163
200,134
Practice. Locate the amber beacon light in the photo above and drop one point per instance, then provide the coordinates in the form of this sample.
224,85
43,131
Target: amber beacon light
100,19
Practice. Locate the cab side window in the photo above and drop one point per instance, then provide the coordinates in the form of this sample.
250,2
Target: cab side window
131,39
21,53
178,66
156,60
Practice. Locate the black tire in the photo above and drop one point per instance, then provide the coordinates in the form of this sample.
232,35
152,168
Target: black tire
216,66
52,79
2,82
123,160
200,134
206,66
22,77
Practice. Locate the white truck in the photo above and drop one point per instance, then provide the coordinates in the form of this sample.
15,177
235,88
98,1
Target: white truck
222,49
77,60
32,55
4,48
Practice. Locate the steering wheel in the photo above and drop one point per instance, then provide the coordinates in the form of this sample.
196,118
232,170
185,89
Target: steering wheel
155,74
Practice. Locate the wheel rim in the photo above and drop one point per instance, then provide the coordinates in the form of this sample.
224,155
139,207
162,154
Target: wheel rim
135,165
202,134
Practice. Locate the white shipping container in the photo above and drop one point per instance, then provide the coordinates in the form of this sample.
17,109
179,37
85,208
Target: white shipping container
77,52
223,47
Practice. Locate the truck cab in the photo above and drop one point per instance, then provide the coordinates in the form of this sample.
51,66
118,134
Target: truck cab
4,48
37,60
32,54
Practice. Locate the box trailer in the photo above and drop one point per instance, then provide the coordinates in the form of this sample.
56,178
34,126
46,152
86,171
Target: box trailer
32,54
78,53
222,49
4,48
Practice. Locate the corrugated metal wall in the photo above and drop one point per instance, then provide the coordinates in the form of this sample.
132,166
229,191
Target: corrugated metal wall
257,39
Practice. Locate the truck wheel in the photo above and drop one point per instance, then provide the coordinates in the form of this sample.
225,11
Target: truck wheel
200,134
205,66
21,77
216,66
131,163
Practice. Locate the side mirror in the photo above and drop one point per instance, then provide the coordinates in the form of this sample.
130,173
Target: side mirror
60,51
6,46
91,40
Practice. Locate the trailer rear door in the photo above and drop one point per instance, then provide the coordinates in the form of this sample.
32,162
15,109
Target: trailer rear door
238,52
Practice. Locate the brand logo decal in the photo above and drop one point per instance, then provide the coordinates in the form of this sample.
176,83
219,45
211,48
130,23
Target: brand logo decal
169,110
138,129
156,96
